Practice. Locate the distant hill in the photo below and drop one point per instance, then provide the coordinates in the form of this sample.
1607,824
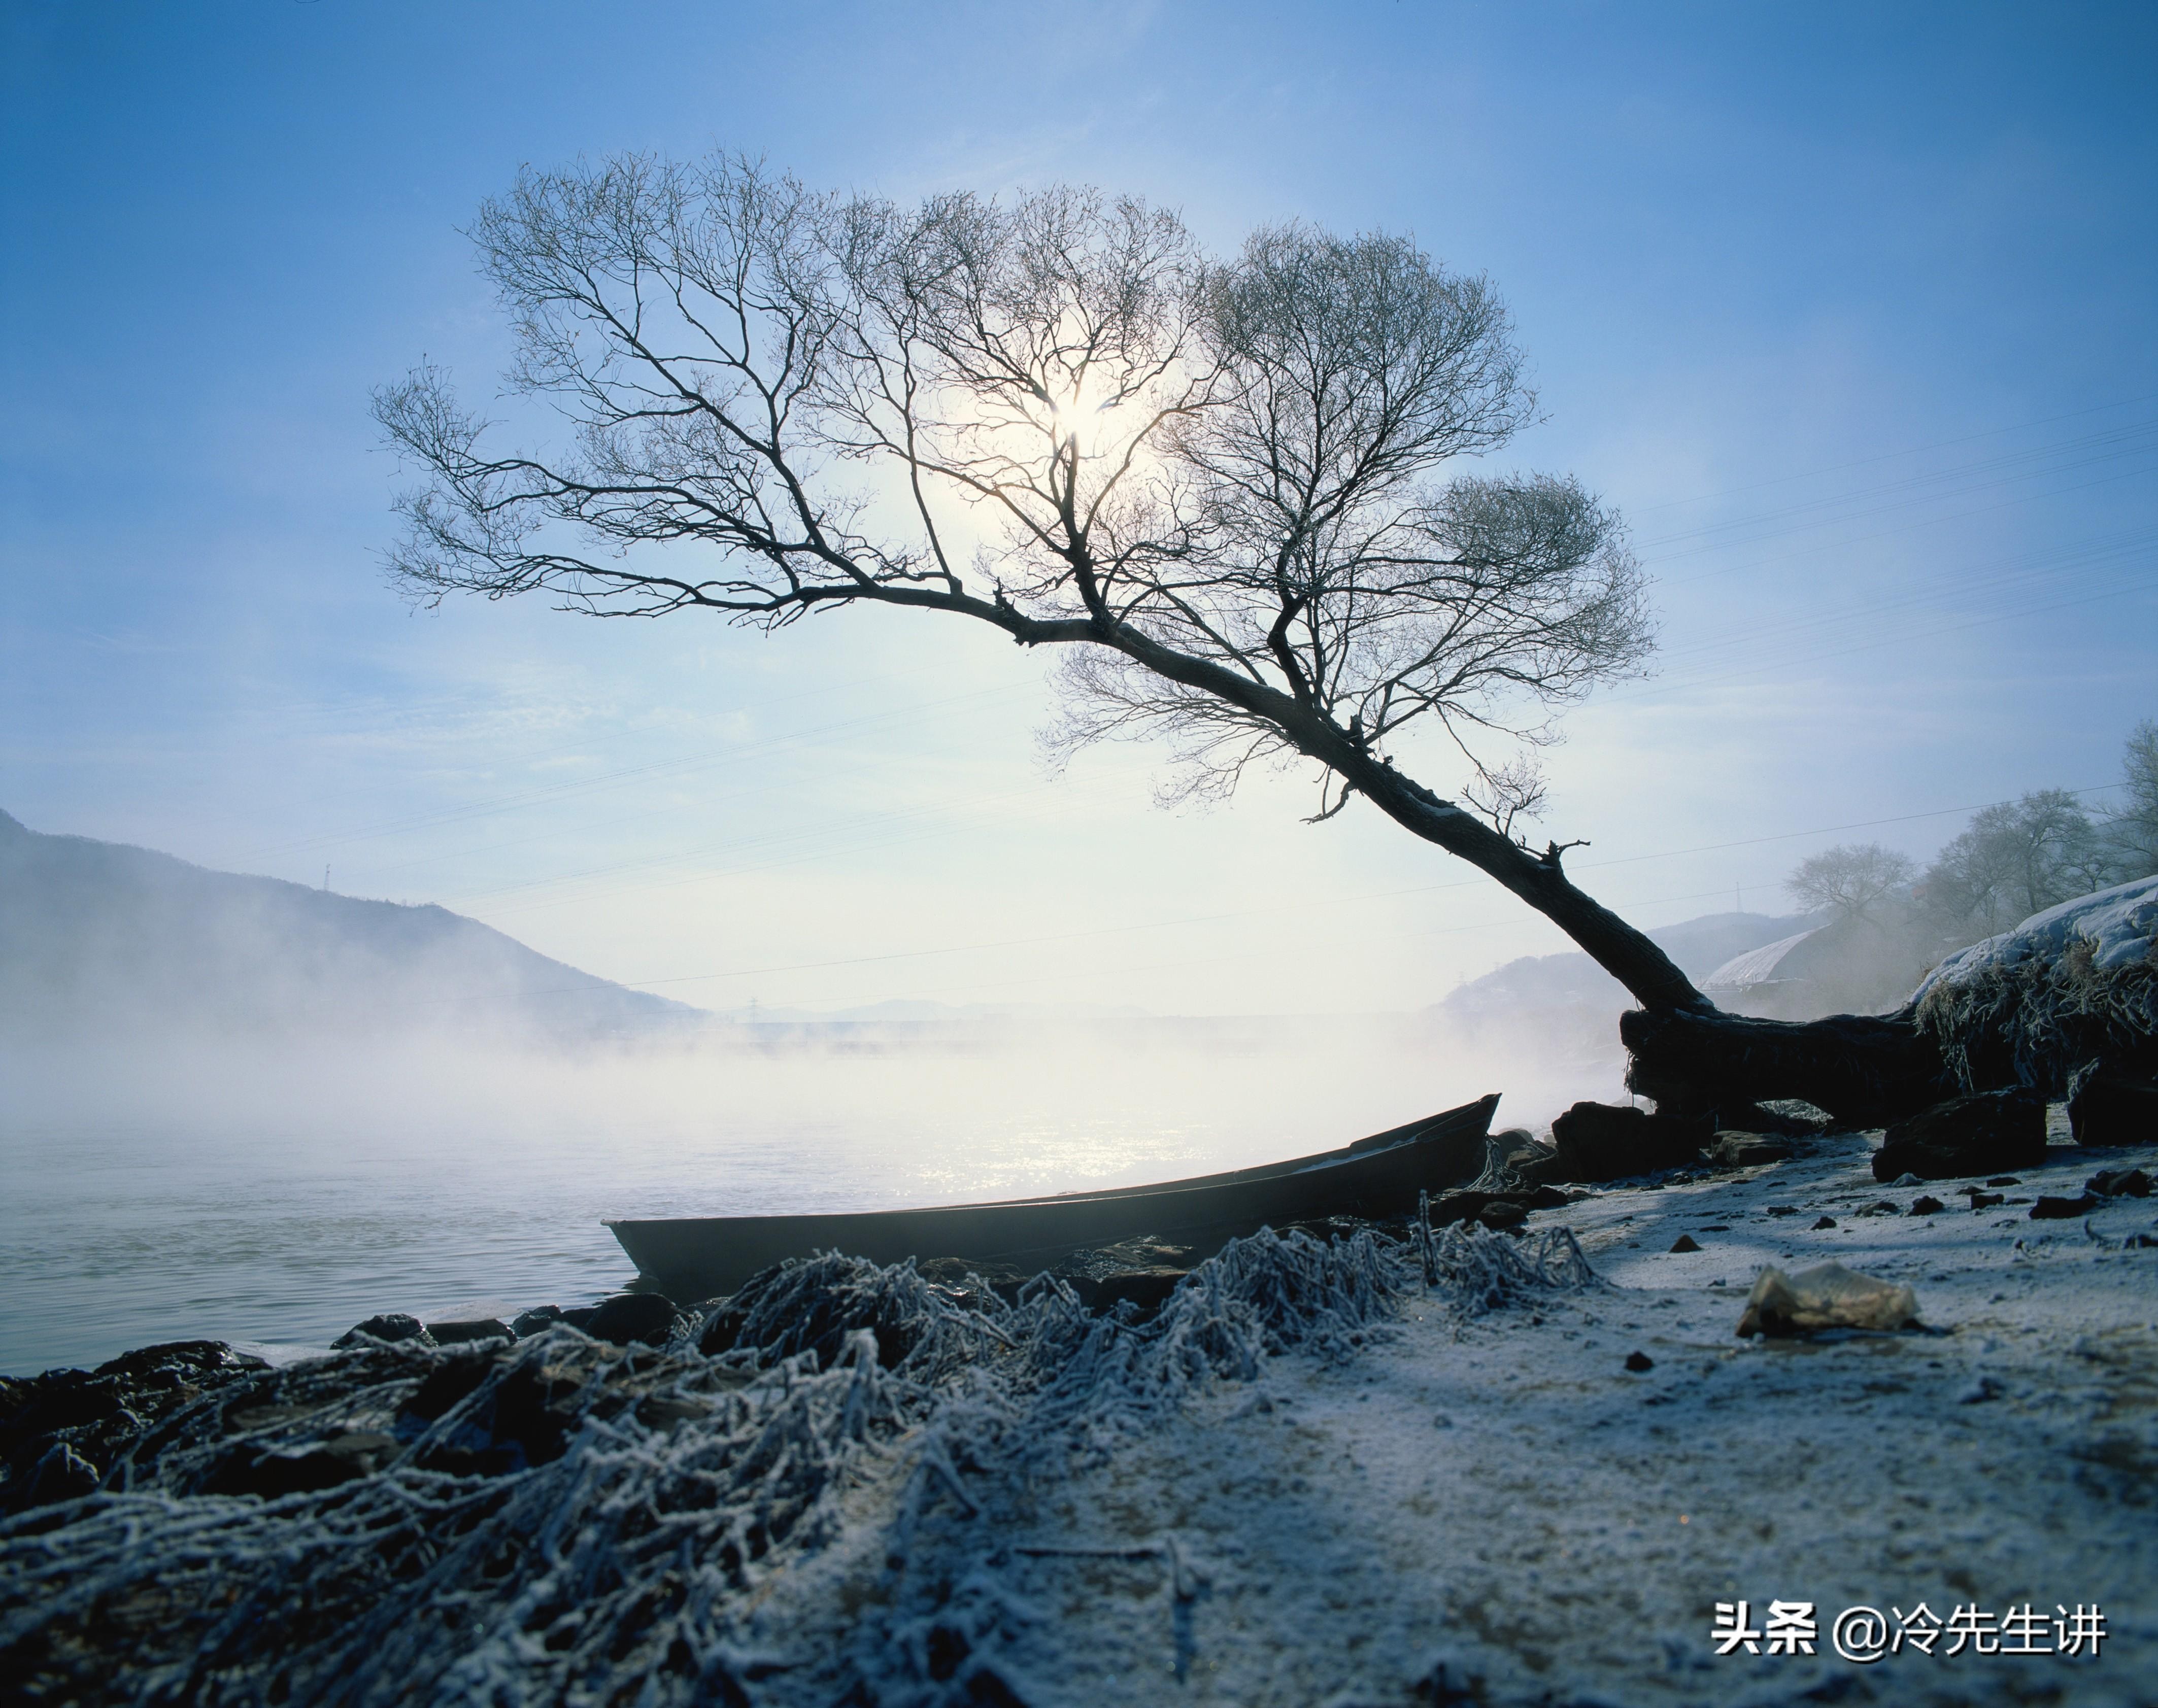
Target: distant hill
97,935
1699,946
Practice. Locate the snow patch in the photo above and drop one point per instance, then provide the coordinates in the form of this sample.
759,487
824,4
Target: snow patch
2119,924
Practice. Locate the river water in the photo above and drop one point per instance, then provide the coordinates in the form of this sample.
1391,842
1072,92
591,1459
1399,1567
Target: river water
277,1196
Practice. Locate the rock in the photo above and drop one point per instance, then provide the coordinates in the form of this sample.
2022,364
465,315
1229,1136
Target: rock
1828,1296
1826,1221
1981,1200
2063,1209
1637,1362
1927,1206
2119,1183
1760,1119
391,1328
470,1329
1463,1205
61,1473
647,1318
1685,1243
1962,1136
1604,1142
2109,1107
1907,1180
357,1453
1746,1150
1783,1210
61,1431
1879,1207
1519,1153
2005,1180
1503,1213
536,1321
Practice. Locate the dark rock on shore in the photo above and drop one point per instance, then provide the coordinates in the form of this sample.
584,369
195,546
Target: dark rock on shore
1494,1210
2109,1107
646,1319
2119,1183
536,1321
1136,1275
391,1329
62,1432
1748,1150
1606,1142
2063,1209
1985,1134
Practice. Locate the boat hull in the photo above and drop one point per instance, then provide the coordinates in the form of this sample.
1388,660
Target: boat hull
705,1257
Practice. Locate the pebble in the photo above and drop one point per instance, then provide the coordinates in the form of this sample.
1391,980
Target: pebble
2063,1209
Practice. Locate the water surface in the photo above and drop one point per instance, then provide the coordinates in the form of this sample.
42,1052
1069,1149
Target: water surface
280,1196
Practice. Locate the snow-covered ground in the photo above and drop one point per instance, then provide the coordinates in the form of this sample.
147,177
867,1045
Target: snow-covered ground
1501,1511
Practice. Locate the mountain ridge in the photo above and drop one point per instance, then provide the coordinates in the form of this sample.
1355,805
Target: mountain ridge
106,935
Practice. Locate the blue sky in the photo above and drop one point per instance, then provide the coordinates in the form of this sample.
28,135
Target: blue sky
1848,308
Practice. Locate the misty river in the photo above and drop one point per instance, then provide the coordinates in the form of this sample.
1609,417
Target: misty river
277,1199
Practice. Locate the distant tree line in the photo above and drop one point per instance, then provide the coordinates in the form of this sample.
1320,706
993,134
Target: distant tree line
2014,860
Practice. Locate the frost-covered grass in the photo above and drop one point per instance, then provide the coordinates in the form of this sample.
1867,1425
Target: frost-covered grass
560,1521
2074,984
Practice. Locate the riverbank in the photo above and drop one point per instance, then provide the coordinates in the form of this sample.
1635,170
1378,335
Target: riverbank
1310,1479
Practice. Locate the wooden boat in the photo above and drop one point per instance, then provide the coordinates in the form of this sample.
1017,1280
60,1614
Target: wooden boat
704,1256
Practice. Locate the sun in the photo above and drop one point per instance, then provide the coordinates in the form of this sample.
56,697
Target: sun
1076,419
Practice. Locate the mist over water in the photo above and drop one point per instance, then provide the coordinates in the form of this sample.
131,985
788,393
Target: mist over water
280,1193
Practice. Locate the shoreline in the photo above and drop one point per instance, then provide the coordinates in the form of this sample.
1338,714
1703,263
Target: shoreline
1492,1503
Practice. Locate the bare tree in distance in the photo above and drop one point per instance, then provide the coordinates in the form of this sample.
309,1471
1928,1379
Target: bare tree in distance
1851,880
2133,829
2013,860
1229,487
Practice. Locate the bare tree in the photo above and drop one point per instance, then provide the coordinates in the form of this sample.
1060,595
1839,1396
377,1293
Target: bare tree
1226,485
1849,881
2014,860
2133,829
1219,483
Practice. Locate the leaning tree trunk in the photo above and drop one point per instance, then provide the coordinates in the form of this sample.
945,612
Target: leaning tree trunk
1866,1070
1688,1055
1692,1058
